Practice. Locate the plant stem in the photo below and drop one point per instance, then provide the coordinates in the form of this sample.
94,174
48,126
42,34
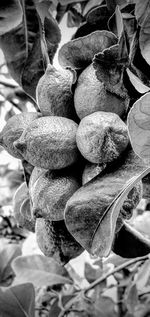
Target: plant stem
117,269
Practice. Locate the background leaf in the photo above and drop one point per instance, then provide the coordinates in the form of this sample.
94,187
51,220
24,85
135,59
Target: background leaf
144,39
22,48
137,83
139,127
17,301
141,10
10,15
39,270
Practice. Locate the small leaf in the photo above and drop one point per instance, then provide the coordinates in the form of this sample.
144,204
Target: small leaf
143,275
10,15
144,39
18,301
137,83
139,127
79,53
116,22
131,298
8,252
90,5
40,271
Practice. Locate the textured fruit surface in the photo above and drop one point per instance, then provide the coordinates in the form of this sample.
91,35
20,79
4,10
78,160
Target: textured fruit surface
101,137
22,209
13,130
50,193
53,92
91,96
49,142
88,204
55,241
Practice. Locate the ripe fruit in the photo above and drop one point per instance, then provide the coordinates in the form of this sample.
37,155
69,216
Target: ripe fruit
49,142
13,130
53,92
50,193
91,96
55,241
22,208
101,137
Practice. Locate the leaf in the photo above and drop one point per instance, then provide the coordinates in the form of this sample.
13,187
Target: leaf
86,210
8,252
91,273
116,22
144,39
65,2
141,9
90,5
39,270
79,53
131,298
109,66
137,83
138,123
10,15
98,17
18,301
143,275
22,48
107,223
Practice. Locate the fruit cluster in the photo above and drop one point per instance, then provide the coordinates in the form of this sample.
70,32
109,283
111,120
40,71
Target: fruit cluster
80,156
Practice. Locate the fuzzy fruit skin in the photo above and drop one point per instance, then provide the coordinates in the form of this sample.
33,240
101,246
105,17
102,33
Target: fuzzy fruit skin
14,129
91,96
101,137
53,93
50,193
21,208
87,205
49,142
54,240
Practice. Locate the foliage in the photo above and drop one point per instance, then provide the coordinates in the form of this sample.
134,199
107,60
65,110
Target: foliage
115,37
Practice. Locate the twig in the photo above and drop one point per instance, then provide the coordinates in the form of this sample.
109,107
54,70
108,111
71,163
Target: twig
117,269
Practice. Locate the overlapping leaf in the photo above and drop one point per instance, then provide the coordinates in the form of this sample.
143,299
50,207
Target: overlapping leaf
10,15
79,53
22,47
139,127
40,271
137,83
18,301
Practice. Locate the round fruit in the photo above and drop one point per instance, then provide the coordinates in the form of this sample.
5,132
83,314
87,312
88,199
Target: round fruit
50,193
49,142
53,93
55,241
101,137
91,96
13,130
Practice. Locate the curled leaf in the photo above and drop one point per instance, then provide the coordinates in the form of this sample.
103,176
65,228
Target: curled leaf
139,127
137,83
79,53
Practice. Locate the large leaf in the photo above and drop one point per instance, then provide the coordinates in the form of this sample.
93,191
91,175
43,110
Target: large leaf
18,301
106,224
8,252
79,53
86,213
39,270
141,10
144,39
139,127
10,15
22,47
